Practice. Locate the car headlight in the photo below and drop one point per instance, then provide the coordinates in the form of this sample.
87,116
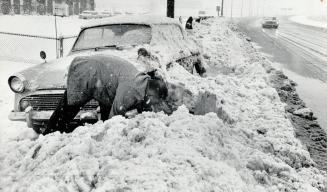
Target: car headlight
16,84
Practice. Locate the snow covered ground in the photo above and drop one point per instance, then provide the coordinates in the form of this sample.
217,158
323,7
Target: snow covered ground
249,146
18,48
318,21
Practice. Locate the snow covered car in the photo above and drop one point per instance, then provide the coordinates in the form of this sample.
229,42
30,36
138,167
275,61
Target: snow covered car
105,13
270,22
143,41
89,15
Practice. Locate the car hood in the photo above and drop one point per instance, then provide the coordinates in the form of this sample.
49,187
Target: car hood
53,75
49,75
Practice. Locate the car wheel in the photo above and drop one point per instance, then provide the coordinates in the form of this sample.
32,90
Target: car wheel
38,129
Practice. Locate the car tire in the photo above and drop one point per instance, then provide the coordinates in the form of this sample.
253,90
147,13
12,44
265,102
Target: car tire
38,129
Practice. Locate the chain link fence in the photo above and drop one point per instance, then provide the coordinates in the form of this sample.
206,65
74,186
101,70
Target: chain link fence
26,48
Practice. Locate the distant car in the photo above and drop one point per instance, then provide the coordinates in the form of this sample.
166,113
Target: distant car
160,40
89,15
104,14
202,15
270,22
116,13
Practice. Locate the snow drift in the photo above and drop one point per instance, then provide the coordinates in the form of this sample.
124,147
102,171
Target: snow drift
248,144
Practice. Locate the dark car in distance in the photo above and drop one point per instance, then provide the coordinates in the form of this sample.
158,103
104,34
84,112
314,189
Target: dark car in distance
270,22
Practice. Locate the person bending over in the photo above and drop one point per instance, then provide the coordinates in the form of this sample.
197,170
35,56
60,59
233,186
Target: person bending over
117,86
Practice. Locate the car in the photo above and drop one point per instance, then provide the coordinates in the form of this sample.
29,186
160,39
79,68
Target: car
270,22
116,13
202,15
105,13
89,15
39,89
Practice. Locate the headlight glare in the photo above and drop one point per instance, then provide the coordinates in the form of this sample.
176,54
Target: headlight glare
16,84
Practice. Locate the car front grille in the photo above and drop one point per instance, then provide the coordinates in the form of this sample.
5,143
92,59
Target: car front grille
48,102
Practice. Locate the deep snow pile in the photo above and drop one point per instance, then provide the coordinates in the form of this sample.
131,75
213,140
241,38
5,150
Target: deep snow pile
250,147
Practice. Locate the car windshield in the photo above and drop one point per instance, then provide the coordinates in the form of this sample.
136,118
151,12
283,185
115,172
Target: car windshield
113,35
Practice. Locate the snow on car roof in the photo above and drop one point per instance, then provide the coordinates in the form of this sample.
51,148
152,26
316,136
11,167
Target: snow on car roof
137,19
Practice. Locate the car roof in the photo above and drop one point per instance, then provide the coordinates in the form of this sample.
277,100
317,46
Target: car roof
131,19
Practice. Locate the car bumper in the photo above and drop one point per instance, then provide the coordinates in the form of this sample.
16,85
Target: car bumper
31,116
269,26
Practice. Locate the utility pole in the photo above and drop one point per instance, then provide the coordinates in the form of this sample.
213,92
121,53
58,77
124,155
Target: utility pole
264,8
170,8
222,8
242,8
250,8
231,9
55,16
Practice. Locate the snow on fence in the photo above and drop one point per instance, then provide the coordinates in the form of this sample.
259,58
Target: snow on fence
26,47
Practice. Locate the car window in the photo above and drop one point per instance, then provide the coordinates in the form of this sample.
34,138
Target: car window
109,35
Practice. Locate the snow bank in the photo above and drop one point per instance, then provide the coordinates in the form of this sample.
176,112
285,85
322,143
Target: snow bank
322,23
247,145
152,152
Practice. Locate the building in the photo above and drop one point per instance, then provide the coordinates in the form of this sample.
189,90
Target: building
45,7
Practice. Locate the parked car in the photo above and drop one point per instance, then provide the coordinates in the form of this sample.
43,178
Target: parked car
38,89
89,15
116,13
104,14
270,22
202,15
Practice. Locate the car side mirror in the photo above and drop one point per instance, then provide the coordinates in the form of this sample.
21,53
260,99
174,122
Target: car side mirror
43,55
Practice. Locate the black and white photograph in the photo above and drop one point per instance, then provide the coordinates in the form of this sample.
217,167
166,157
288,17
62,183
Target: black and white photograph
163,95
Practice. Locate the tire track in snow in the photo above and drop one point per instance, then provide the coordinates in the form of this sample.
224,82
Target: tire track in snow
319,68
319,50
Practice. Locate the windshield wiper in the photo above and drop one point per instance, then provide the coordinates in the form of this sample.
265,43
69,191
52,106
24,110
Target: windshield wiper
97,48
105,47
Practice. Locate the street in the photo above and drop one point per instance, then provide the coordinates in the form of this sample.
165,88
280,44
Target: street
300,51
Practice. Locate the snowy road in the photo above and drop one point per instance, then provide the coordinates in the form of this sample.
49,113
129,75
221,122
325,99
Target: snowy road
301,52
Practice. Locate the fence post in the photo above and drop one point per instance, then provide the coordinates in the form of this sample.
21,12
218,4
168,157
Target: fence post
61,46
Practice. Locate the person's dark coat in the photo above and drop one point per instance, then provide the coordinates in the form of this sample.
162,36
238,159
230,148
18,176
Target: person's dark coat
117,85
189,23
111,81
